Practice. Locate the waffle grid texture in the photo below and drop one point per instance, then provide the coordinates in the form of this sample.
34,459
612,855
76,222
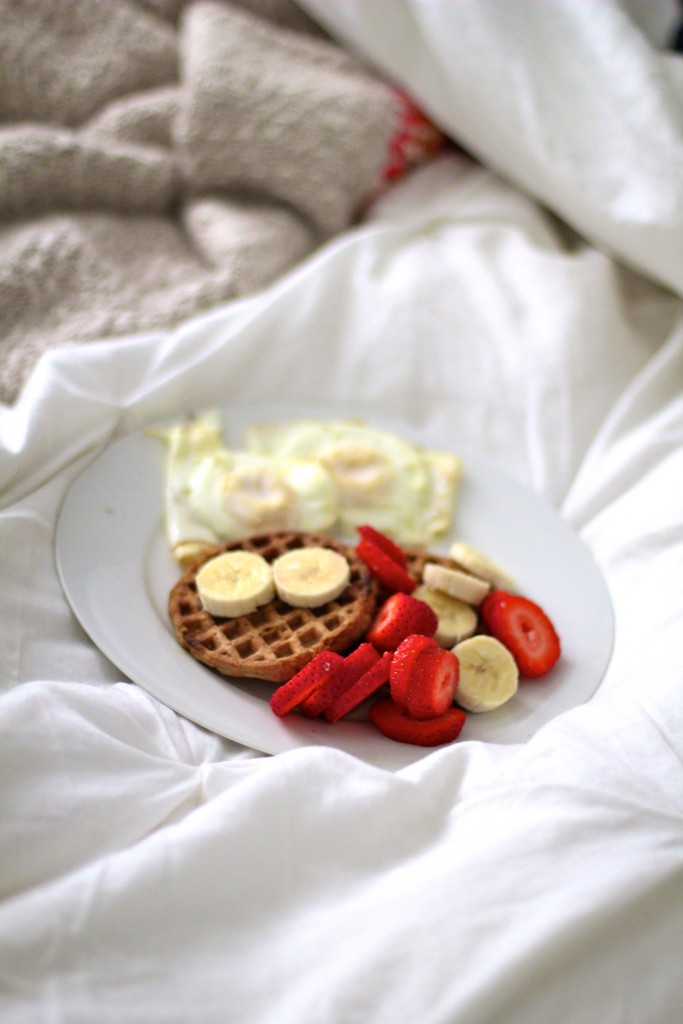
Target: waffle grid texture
276,640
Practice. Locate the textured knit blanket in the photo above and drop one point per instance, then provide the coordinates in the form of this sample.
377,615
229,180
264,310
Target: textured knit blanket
160,157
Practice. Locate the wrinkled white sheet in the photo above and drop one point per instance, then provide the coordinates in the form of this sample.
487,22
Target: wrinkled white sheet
151,871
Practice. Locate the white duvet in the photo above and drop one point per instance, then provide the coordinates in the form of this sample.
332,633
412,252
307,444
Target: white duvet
528,307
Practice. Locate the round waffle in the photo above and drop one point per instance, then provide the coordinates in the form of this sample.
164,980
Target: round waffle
276,640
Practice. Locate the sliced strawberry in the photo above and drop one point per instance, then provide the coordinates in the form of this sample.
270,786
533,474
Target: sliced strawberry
432,684
525,629
390,575
308,679
355,665
489,606
431,732
400,615
385,544
402,665
363,688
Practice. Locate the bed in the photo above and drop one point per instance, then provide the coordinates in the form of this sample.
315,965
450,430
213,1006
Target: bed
513,292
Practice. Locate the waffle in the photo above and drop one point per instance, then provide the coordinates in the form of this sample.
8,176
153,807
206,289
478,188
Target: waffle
418,558
276,640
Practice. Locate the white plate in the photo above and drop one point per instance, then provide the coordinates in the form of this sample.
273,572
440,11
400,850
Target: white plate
116,572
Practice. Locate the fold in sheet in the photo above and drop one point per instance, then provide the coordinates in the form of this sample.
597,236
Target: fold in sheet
572,102
151,870
149,864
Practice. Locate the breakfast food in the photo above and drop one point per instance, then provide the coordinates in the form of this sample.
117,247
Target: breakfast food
372,537
426,732
406,491
399,616
365,686
355,665
455,583
424,677
271,591
308,679
478,564
418,557
235,583
489,676
309,577
403,662
309,475
213,494
525,629
276,640
432,685
390,571
456,620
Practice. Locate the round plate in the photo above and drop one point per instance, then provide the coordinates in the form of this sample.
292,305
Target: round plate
117,571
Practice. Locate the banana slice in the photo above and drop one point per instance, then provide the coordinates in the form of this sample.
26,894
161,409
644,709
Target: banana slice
488,674
309,577
481,565
458,584
457,620
185,552
235,583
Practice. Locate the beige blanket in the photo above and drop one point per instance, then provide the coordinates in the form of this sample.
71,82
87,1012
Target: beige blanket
161,157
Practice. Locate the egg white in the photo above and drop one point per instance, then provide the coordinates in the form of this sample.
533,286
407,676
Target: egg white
213,494
406,491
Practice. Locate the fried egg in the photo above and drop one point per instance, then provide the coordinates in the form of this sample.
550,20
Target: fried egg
213,494
402,489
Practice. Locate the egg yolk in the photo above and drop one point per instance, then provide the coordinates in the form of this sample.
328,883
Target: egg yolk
257,497
360,472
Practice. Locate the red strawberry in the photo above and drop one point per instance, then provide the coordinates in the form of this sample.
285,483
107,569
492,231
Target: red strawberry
399,616
385,544
432,684
431,732
402,665
524,628
390,575
308,679
355,665
364,687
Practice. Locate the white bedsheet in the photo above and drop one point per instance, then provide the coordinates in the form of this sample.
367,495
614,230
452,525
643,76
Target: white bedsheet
151,871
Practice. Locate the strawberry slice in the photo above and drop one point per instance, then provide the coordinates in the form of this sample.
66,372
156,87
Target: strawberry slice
389,574
308,679
402,665
355,665
385,544
400,615
430,732
359,691
432,683
493,599
524,628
